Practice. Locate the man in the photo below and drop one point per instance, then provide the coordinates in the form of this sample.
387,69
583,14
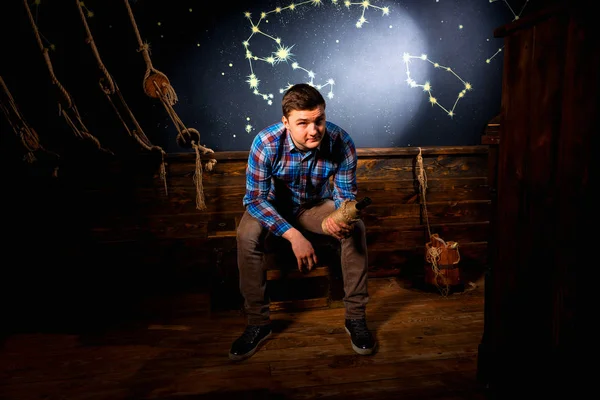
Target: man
299,171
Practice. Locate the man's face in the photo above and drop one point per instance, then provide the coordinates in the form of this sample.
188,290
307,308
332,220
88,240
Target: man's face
307,127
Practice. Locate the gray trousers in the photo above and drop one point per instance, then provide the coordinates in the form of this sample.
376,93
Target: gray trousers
252,242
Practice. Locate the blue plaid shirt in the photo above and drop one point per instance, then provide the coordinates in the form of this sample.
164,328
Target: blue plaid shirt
281,180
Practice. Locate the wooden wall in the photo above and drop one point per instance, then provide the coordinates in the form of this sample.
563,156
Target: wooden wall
105,232
547,124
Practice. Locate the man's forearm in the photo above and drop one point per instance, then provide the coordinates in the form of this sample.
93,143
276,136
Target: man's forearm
263,211
292,234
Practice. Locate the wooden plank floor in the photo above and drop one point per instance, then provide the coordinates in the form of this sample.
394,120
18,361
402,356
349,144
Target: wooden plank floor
427,350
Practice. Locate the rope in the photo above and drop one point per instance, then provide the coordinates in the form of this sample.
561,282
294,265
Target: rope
422,178
346,210
110,88
433,256
153,77
80,131
182,133
107,84
28,136
157,85
433,253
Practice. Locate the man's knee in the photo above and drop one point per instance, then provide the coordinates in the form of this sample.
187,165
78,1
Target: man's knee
360,230
358,238
249,231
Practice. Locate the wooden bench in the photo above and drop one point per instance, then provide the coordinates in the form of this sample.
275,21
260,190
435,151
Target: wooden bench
288,288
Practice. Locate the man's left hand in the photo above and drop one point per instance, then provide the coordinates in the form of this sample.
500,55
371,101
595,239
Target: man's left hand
340,230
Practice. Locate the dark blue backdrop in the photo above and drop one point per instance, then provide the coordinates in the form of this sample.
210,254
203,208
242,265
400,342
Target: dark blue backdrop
395,73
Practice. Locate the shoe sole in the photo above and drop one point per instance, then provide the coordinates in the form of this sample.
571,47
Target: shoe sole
249,354
362,352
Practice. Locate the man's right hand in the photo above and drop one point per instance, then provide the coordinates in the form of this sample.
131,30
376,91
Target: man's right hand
303,249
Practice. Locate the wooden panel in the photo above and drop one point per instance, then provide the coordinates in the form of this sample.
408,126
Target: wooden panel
551,62
437,213
296,305
276,274
410,262
410,239
457,208
119,211
447,165
438,189
404,168
574,185
526,164
181,199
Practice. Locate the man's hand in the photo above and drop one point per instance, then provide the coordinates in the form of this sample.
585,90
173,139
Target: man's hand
303,249
340,230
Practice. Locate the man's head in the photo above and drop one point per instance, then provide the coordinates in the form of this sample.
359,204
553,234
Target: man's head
303,109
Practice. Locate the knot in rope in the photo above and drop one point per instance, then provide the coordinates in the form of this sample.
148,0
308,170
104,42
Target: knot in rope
145,47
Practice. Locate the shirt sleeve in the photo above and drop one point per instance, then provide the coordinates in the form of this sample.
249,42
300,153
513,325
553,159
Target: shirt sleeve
258,186
344,180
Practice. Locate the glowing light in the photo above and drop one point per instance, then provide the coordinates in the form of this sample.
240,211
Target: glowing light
427,86
283,53
253,82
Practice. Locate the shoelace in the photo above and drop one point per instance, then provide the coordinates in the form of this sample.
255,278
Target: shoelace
360,328
251,333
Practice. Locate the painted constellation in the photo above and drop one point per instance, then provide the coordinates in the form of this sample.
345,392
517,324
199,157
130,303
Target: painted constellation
489,60
37,4
515,17
427,86
283,53
89,13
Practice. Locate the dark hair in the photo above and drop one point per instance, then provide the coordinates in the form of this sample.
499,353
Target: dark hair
301,96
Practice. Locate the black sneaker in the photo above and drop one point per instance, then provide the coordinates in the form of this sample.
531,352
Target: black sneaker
247,344
362,340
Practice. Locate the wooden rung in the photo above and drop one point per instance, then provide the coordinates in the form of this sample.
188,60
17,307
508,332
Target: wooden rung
223,227
276,274
291,305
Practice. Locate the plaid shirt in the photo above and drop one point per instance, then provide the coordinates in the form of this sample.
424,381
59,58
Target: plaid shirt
281,180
